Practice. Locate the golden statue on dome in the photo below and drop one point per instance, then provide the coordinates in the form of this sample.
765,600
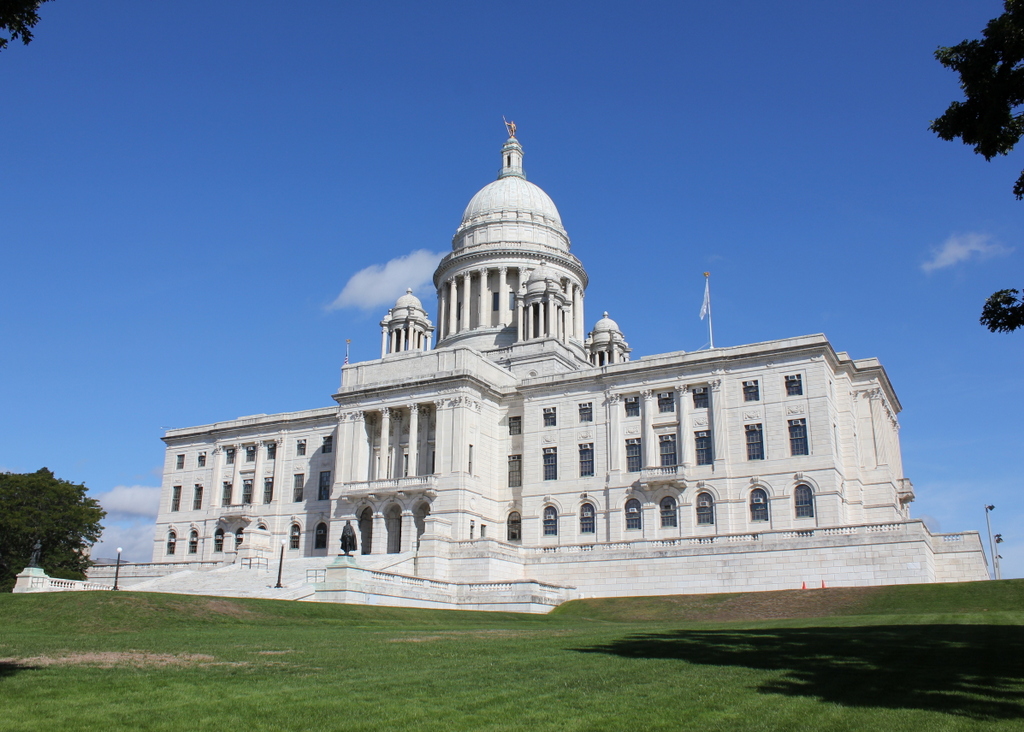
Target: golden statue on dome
510,126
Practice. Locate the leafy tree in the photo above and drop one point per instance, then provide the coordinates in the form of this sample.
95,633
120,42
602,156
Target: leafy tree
17,18
992,78
37,507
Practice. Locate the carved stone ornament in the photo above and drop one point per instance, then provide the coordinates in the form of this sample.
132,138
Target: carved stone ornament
715,383
632,430
751,415
612,397
794,410
683,388
585,435
700,421
548,439
647,394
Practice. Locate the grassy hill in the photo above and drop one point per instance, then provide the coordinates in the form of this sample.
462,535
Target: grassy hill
914,657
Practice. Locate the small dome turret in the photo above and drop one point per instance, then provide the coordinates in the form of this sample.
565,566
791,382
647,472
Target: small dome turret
406,327
606,345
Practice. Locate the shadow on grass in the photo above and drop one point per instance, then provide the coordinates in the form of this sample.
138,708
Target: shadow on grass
9,669
974,671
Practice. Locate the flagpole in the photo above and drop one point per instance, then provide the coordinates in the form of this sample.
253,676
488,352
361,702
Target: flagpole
707,288
347,342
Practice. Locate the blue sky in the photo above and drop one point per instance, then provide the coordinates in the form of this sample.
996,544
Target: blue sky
187,188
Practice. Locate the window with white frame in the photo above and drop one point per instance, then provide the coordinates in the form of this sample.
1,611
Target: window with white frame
514,526
700,397
669,513
218,540
632,406
586,459
667,450
634,458
176,498
586,412
755,442
298,483
751,391
703,448
197,497
705,509
268,490
320,536
300,447
550,416
250,453
179,462
634,517
271,451
758,505
804,499
798,437
229,455
515,471
323,492
550,463
666,402
201,460
550,521
227,490
172,542
247,490
294,537
588,524
515,425
328,444
193,542
794,385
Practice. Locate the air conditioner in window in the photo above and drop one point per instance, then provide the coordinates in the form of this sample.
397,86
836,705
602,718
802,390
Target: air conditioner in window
704,503
758,499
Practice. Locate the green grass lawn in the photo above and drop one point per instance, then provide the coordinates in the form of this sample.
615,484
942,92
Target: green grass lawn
928,657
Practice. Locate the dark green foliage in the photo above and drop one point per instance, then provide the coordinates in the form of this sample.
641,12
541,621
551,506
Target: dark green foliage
992,77
58,514
17,18
1003,311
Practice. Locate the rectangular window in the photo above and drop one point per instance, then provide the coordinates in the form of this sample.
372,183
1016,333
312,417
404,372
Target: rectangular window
515,425
798,437
633,457
702,446
700,397
632,406
515,471
470,466
751,391
300,447
176,498
512,301
586,460
229,455
271,451
180,462
495,300
667,447
225,499
587,519
586,412
250,453
201,460
794,385
268,490
247,491
666,402
328,445
298,483
755,442
550,417
324,490
550,463
197,497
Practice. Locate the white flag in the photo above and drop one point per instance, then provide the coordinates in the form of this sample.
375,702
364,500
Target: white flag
706,306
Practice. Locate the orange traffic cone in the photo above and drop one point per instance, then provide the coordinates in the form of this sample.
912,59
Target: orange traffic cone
803,585
823,584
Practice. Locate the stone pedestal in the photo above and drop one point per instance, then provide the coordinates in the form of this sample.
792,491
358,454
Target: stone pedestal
32,579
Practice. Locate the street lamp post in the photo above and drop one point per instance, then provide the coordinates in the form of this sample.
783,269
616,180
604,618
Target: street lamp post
996,574
117,568
280,566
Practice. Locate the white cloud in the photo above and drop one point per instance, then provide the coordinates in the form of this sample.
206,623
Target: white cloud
134,537
380,285
962,247
130,502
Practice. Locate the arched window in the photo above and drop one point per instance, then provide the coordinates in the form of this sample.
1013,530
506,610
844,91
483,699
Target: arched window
515,526
804,502
669,517
705,509
320,536
294,536
393,527
366,530
587,523
218,540
172,541
193,542
550,521
758,505
238,538
633,515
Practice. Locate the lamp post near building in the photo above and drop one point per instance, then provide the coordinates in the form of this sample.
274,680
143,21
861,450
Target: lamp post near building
996,574
117,568
280,566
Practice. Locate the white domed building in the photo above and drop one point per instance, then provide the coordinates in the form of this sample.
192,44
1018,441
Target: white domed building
523,460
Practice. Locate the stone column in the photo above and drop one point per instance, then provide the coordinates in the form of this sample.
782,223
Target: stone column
613,407
502,297
466,288
549,313
684,435
257,475
379,540
453,306
650,449
428,341
577,325
385,444
414,422
520,326
361,448
440,311
408,531
482,306
383,341
719,437
440,437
